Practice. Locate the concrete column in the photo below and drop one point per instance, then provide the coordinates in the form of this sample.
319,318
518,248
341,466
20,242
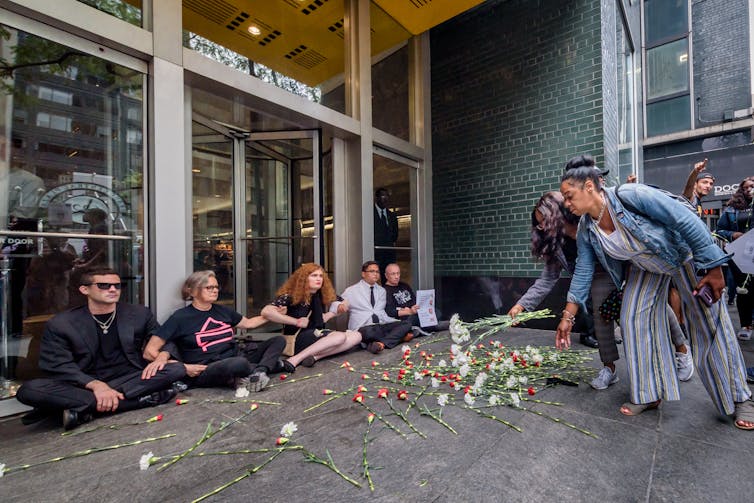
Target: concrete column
170,193
420,117
352,158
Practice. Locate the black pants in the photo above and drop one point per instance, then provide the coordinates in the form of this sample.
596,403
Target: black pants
390,334
54,394
262,355
413,320
744,301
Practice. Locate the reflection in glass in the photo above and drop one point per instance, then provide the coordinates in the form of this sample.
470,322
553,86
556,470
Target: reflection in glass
279,206
668,116
129,11
400,182
625,99
328,258
665,18
212,210
296,46
667,69
390,94
71,163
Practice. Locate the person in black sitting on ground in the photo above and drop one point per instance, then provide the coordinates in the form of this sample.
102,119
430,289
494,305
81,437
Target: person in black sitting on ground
401,302
93,357
204,334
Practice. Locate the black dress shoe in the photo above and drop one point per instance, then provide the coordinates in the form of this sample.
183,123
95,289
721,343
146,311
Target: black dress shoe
588,340
157,398
72,418
34,416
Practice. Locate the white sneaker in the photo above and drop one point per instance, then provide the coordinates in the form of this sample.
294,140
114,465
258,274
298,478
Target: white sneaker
744,334
419,331
257,381
684,364
242,384
605,378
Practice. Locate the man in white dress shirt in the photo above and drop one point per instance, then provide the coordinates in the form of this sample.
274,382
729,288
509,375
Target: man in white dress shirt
365,302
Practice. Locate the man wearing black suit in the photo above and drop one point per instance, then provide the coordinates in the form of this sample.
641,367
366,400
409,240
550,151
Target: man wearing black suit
93,356
385,230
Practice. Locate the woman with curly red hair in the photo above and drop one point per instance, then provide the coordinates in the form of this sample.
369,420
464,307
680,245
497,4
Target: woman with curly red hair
307,295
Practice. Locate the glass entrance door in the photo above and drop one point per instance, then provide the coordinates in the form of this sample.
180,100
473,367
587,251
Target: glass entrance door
282,222
257,202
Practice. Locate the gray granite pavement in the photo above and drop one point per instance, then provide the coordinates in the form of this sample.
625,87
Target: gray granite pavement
682,452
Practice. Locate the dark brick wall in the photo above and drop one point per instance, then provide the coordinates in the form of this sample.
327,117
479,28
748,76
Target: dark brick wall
720,45
516,91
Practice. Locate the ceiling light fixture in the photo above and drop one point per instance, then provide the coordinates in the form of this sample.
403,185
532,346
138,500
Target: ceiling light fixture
254,30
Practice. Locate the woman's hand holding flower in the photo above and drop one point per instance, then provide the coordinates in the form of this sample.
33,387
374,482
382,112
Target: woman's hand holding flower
515,311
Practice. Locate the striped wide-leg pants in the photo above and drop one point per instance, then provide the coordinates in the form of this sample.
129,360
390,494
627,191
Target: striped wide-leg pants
650,355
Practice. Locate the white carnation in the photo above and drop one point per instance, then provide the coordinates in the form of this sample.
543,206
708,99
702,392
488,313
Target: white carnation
144,463
288,429
515,400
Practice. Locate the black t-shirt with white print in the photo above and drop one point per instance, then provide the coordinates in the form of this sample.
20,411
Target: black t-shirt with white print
202,336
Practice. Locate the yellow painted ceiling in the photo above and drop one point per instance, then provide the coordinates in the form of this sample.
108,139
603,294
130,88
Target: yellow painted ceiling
304,39
418,16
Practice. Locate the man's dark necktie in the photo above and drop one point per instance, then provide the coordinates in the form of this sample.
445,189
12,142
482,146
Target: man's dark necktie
375,318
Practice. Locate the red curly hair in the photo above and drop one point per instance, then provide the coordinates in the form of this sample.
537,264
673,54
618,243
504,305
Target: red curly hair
297,286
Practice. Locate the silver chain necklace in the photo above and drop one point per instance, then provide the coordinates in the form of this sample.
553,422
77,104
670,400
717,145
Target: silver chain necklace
105,325
602,211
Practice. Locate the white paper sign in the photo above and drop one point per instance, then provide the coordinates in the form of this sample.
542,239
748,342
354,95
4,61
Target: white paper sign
425,299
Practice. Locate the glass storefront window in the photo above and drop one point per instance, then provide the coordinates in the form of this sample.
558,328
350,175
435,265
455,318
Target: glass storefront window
664,19
127,10
626,78
668,69
71,187
296,46
668,116
390,72
399,181
390,94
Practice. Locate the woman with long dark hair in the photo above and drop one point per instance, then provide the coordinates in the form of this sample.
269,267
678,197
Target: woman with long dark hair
663,241
553,240
734,222
307,295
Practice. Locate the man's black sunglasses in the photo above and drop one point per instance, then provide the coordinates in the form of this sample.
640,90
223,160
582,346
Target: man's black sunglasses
106,286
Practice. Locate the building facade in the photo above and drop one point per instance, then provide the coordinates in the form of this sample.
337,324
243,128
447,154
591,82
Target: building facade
248,137
163,137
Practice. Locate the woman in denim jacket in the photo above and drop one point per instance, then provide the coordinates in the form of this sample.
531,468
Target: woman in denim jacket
662,240
734,223
553,237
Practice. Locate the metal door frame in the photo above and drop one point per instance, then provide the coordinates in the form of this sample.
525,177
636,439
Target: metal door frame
240,138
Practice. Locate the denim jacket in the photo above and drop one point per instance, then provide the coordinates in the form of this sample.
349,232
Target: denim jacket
728,223
665,226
